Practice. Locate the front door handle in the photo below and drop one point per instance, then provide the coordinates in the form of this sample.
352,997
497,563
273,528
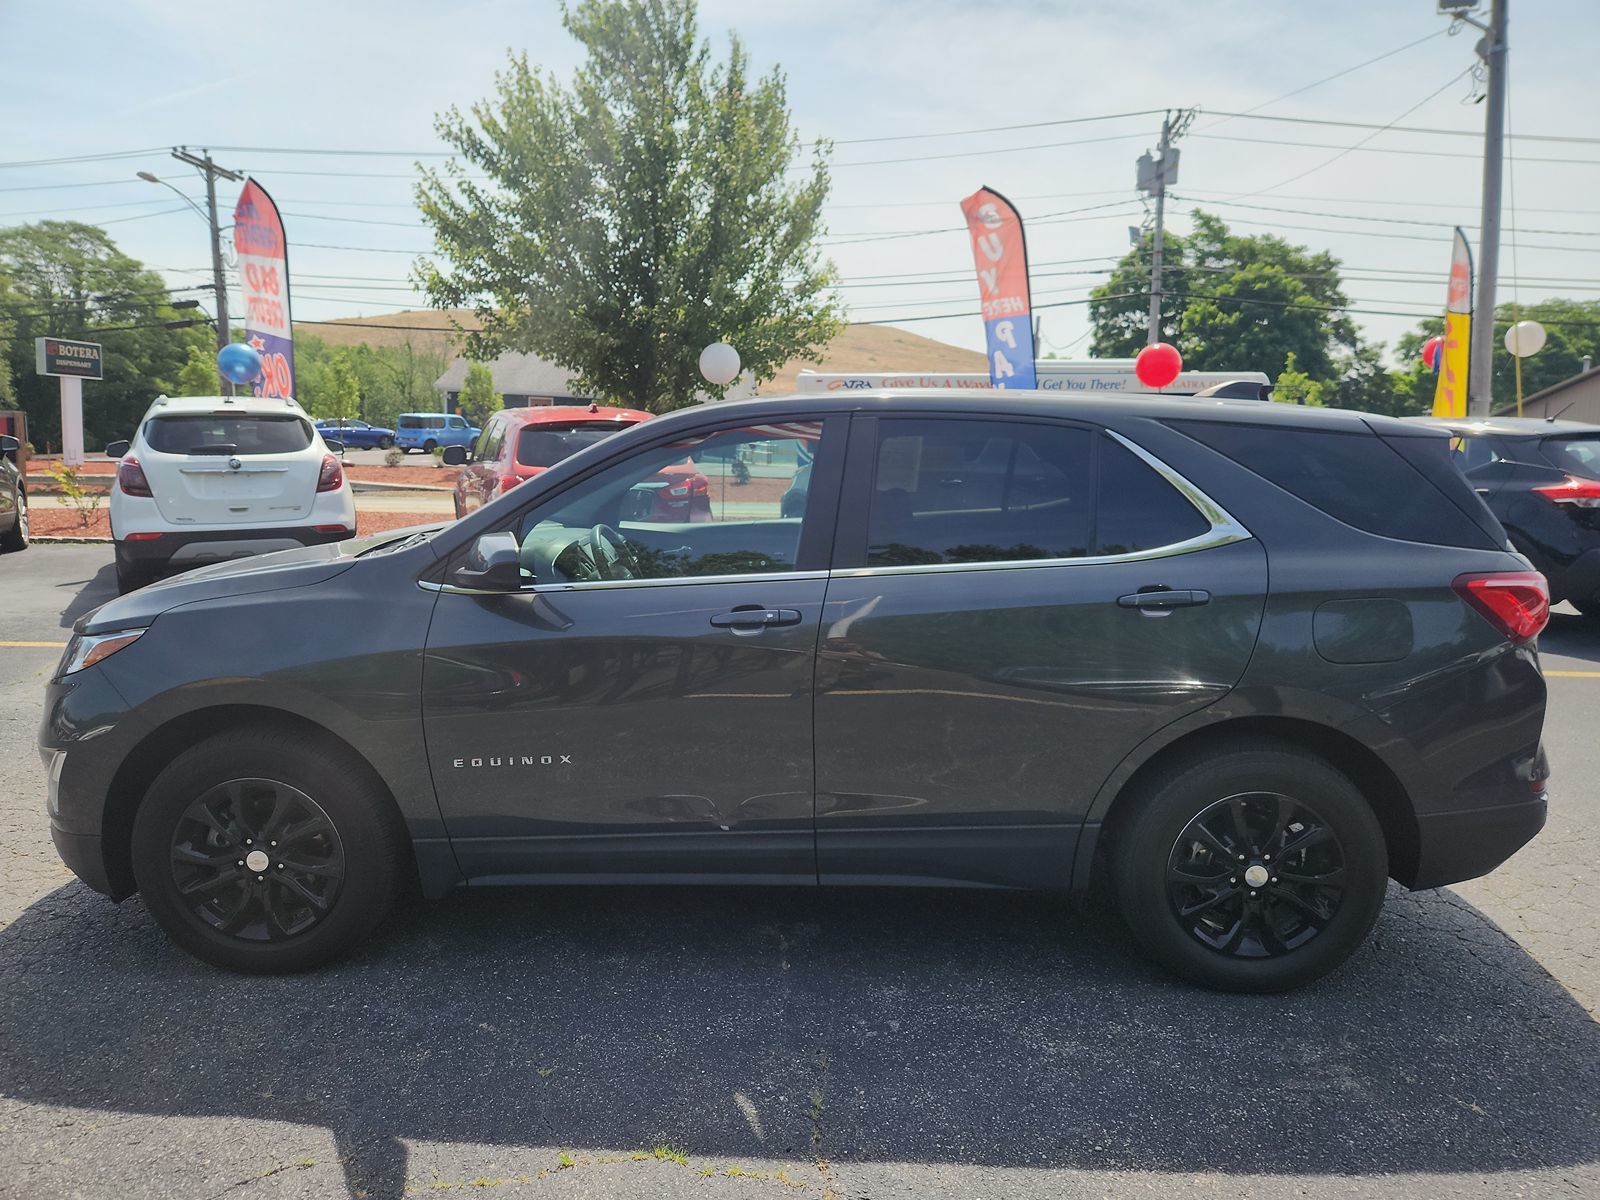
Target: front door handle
755,617
1161,599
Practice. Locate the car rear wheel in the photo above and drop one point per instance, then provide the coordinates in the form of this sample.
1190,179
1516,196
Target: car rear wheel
260,854
1251,868
16,538
429,446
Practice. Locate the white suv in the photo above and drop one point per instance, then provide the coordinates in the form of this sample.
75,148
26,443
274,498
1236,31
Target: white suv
208,478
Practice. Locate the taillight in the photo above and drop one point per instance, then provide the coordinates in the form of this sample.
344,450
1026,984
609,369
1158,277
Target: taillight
130,478
331,477
1579,493
1517,603
700,487
507,482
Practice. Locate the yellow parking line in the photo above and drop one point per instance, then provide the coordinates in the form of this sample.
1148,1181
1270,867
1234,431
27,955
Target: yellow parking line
38,645
1574,674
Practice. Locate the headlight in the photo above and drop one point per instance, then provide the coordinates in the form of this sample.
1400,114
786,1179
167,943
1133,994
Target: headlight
85,650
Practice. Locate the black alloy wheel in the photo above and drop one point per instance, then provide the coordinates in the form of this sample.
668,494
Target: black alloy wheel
257,859
1256,875
1249,865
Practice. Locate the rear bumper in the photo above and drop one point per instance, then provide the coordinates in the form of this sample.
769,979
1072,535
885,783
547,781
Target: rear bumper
192,547
1464,845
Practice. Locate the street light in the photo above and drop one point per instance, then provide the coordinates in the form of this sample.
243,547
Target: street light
200,212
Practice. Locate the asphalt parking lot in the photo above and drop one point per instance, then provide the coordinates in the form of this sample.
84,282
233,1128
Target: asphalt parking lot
581,1043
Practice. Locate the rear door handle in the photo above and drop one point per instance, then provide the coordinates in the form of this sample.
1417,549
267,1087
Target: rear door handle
1162,599
754,617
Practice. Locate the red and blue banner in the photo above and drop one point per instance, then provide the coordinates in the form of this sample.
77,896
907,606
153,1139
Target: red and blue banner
1000,252
264,272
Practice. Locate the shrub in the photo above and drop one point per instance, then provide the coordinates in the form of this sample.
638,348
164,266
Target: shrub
393,456
85,500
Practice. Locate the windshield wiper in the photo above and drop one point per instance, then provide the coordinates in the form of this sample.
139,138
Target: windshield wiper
402,544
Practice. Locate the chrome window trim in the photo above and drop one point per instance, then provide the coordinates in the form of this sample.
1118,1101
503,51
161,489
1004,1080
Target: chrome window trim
1224,531
608,584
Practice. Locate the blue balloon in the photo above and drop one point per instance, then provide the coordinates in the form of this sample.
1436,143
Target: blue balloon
239,363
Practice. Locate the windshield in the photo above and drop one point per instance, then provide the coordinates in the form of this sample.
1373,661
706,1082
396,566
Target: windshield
230,433
546,445
1580,455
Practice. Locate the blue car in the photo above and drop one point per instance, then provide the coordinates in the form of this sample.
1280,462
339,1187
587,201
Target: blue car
426,431
356,435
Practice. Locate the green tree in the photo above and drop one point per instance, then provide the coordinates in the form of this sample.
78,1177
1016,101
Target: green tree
477,398
8,331
1231,302
1294,386
396,379
198,375
328,385
70,280
635,216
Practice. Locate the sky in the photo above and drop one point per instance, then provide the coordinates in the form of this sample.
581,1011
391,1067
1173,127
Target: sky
352,88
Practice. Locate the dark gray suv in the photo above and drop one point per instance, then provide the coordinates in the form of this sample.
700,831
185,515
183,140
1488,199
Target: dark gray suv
1238,663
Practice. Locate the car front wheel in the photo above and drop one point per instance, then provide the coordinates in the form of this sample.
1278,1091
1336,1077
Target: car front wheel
385,442
257,853
1255,867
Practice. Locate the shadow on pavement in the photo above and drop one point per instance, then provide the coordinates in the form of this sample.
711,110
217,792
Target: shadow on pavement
1571,635
91,594
967,1028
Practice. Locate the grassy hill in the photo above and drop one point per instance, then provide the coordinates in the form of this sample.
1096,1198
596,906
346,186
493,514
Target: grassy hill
858,348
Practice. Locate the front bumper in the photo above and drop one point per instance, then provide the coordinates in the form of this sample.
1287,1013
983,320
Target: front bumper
1579,579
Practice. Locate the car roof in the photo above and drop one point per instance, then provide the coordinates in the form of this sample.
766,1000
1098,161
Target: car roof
1508,426
1099,408
255,406
542,413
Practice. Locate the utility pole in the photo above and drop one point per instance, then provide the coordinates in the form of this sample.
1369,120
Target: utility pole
1492,49
202,162
1154,176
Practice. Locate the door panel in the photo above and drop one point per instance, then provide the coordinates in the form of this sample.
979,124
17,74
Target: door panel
617,730
970,702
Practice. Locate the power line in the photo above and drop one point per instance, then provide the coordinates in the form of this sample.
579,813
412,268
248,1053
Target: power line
1306,212
1224,137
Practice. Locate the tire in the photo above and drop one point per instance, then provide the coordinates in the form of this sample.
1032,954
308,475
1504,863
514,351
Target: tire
1279,934
16,538
131,576
346,839
386,442
429,446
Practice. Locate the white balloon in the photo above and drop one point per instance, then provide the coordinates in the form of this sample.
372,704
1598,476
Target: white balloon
1525,338
719,363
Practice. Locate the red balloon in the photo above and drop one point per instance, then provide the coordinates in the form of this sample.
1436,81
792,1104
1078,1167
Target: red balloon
1158,365
1430,352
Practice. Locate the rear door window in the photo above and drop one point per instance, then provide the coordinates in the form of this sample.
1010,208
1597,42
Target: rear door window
227,433
963,491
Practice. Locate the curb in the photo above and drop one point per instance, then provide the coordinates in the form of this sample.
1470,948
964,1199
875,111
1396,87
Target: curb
35,539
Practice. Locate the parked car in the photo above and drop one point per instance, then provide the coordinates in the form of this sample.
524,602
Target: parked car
356,435
13,497
1244,663
1541,478
427,431
519,443
209,478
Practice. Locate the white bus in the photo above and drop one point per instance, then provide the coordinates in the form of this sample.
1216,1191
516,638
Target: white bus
1055,375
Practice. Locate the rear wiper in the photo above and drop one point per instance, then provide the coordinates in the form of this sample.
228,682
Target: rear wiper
218,448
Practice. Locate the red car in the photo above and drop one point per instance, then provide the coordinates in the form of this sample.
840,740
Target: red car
519,443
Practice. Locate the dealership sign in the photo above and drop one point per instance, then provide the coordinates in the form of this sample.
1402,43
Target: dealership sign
264,271
76,360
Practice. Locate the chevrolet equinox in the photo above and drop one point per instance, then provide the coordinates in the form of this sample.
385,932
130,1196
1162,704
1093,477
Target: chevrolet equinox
1237,664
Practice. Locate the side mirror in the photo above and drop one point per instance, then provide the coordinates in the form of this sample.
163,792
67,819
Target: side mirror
494,564
9,446
334,444
454,456
116,449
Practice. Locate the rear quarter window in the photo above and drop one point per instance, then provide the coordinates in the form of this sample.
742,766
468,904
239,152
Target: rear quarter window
1578,455
1356,478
